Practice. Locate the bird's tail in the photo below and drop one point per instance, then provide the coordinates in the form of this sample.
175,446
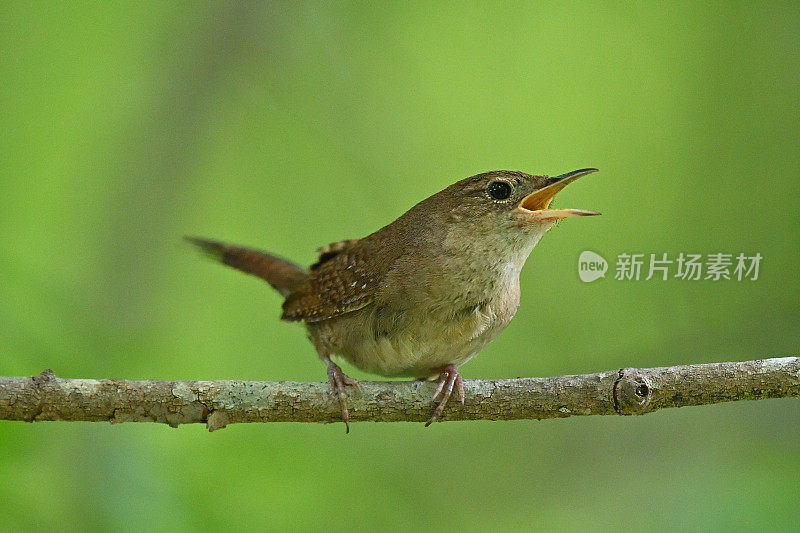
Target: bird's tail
283,275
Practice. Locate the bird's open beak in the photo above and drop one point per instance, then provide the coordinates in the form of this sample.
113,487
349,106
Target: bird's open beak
536,204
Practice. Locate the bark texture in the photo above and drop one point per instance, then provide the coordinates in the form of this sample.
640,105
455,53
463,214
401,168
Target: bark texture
629,391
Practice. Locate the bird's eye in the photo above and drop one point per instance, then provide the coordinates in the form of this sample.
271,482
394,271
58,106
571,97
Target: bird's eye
499,190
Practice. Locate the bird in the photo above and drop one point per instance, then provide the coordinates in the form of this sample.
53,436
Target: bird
424,294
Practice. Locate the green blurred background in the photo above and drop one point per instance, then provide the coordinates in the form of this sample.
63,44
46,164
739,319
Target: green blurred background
127,125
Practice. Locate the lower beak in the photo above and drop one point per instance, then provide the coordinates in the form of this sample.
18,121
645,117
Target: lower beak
536,204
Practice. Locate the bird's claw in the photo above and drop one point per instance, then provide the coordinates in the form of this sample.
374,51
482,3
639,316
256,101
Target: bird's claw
337,381
448,379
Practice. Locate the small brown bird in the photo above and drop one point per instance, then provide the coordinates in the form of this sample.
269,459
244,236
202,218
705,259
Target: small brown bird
424,294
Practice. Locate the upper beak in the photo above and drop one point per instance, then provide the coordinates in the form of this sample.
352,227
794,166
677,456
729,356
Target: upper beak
536,203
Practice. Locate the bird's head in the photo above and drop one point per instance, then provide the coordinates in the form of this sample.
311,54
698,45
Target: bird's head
499,215
505,200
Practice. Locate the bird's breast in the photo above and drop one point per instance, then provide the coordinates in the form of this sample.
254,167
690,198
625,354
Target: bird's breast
417,341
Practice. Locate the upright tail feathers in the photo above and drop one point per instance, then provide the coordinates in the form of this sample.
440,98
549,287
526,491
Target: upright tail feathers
283,275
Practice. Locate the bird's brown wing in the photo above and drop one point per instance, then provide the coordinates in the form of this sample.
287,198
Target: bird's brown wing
342,282
326,253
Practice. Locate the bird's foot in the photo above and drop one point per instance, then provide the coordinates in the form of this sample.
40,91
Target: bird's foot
337,381
448,379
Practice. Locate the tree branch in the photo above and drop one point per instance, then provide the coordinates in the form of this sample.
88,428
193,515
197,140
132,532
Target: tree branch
629,391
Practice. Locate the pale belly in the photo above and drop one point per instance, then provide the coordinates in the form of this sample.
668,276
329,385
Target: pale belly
394,344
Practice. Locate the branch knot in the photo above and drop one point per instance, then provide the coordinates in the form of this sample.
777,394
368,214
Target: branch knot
632,392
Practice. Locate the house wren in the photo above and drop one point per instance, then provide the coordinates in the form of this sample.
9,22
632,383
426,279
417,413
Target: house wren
424,294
